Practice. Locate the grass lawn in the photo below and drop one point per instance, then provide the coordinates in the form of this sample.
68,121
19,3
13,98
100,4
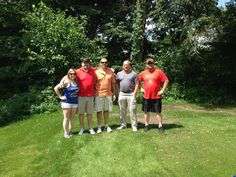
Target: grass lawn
197,142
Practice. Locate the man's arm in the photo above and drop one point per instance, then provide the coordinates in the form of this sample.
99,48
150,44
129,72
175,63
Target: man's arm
136,89
161,92
113,87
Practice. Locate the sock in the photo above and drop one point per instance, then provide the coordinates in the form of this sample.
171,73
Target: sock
160,125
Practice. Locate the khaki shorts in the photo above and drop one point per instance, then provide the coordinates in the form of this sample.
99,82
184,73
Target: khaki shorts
86,104
103,103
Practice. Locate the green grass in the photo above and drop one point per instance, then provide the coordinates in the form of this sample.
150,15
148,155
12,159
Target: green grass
196,143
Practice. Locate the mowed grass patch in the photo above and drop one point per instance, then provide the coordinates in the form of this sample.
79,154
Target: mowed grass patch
194,144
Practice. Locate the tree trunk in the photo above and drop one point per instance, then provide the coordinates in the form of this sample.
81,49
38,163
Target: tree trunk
138,31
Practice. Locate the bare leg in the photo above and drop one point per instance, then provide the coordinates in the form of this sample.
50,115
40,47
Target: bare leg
159,119
81,120
89,116
72,118
106,116
65,120
146,118
99,117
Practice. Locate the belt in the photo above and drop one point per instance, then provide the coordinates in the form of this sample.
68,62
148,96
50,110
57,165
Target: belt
126,92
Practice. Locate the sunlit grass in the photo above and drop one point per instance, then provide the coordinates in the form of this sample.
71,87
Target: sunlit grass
195,143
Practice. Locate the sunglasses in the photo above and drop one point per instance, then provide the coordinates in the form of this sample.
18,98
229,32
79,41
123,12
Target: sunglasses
103,62
150,63
72,74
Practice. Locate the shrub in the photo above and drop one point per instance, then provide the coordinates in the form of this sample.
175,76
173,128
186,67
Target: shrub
32,102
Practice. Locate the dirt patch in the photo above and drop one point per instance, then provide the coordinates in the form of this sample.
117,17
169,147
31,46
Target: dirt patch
198,109
180,107
153,120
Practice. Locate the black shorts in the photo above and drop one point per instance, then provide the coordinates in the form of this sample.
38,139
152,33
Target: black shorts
152,105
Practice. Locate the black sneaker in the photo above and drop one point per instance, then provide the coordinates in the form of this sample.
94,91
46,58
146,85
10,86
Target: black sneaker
161,130
146,128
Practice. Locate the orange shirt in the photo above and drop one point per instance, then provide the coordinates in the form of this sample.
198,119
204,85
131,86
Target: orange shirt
104,82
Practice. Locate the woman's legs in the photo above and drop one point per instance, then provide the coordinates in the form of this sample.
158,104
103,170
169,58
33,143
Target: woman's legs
66,120
72,118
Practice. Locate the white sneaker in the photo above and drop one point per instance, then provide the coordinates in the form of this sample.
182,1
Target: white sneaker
134,129
67,136
91,131
109,129
121,127
99,130
81,131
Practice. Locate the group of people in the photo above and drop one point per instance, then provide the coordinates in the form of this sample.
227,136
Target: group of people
89,89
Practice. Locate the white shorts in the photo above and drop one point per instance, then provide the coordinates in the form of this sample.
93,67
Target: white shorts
68,105
103,103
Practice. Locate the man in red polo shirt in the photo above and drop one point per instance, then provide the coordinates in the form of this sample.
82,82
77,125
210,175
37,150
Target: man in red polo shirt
154,82
86,80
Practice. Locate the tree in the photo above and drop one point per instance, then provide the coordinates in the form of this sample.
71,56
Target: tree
53,43
11,13
110,20
139,23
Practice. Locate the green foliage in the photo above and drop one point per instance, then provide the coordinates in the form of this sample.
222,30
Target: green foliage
117,41
174,92
192,41
138,31
32,102
55,42
198,65
46,101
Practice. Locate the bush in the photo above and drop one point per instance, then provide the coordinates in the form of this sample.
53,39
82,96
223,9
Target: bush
32,102
46,102
174,92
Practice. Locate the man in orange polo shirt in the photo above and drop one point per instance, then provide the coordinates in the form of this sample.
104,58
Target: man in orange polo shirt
105,93
155,82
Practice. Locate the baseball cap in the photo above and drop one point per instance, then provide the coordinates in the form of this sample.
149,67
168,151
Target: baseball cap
86,60
150,60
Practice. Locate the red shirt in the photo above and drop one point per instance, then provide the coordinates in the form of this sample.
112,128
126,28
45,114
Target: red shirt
86,81
152,81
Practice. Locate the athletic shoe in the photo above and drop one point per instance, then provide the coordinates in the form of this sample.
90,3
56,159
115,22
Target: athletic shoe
81,131
121,127
134,129
161,130
108,129
146,128
99,130
70,133
67,136
91,131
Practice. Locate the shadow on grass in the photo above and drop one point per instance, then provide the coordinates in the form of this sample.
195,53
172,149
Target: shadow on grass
166,126
140,127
